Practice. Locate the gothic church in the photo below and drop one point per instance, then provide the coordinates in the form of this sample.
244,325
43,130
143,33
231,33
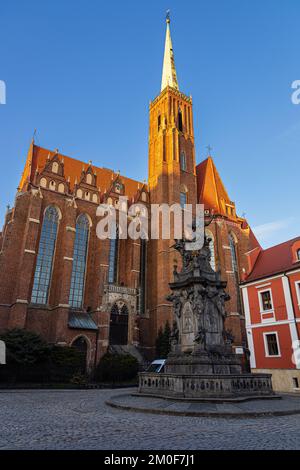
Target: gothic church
59,280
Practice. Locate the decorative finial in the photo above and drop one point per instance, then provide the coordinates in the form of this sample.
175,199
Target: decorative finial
33,136
168,20
90,162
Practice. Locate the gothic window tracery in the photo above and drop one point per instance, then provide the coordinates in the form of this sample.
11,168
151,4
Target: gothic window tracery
79,262
44,263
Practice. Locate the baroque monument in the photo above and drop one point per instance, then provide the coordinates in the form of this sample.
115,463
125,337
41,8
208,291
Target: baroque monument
201,362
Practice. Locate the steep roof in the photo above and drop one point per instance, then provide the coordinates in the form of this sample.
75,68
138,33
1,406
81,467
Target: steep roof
37,159
211,190
275,260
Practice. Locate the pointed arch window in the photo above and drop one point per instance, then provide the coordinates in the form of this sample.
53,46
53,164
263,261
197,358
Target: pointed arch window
142,279
44,263
233,253
79,262
113,258
212,249
180,122
183,161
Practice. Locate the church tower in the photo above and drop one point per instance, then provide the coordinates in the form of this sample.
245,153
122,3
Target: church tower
172,176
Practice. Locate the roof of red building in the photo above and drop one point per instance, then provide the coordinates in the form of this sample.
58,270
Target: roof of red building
275,260
37,159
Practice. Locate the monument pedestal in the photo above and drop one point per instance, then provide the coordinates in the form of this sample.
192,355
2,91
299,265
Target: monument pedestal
201,363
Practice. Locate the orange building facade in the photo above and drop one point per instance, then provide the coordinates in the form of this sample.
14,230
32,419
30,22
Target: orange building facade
73,288
271,295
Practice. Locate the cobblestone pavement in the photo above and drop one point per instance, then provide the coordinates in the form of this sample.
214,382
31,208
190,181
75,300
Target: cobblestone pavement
41,419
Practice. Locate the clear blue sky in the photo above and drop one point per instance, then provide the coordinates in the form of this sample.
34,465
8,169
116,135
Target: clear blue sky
83,72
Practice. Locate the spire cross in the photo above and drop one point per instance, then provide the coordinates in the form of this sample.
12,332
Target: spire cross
209,149
168,16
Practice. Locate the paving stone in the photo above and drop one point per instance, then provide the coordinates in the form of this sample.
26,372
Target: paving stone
81,420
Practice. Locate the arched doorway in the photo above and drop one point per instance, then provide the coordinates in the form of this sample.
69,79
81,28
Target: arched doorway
118,331
81,345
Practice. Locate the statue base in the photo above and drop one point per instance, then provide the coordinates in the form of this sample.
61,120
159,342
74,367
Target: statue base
188,386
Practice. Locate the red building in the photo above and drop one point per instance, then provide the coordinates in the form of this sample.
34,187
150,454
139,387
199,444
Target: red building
271,296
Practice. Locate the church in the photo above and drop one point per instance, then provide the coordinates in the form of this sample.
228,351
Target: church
61,281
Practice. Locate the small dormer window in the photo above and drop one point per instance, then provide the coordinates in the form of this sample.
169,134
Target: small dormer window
298,254
52,185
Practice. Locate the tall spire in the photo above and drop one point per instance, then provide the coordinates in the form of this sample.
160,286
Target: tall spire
169,77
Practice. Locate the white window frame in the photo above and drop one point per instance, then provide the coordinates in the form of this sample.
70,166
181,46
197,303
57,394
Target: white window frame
266,312
265,334
297,287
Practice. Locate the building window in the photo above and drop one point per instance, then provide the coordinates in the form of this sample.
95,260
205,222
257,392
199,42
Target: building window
183,161
44,263
158,122
266,303
233,254
271,344
212,250
79,262
180,123
113,258
143,258
183,199
295,382
298,255
297,285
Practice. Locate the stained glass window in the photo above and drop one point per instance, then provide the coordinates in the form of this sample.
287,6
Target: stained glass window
44,263
233,254
79,262
113,258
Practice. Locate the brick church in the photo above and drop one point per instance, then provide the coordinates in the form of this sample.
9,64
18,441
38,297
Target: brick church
61,281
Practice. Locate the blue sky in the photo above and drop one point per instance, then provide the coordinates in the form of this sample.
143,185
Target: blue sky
83,73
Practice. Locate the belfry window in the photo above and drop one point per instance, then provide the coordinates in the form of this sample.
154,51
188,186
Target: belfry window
183,161
44,263
180,123
113,258
79,262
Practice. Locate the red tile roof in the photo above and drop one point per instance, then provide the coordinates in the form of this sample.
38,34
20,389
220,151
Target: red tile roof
210,187
275,260
37,159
